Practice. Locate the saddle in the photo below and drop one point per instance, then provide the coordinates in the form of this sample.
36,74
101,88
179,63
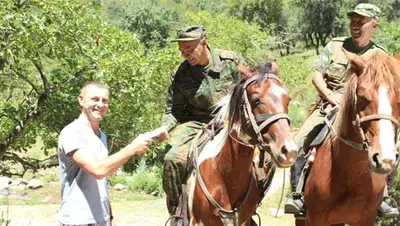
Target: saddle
329,119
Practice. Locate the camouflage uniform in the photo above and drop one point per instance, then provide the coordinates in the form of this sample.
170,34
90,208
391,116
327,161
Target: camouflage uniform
193,92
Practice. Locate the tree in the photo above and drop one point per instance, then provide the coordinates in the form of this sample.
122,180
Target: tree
151,20
46,45
50,48
260,12
320,21
247,39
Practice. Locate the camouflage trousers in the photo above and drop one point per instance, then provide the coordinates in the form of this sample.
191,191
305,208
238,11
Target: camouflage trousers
175,161
307,132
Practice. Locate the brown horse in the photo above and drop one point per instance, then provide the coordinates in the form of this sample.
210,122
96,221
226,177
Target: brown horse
223,186
347,179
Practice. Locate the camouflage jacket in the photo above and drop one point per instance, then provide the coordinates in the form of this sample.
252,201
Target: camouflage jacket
195,89
334,64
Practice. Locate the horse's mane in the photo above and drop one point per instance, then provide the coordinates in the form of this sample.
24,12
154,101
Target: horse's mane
226,107
377,69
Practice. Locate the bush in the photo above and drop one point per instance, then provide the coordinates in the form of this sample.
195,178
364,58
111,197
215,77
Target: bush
144,179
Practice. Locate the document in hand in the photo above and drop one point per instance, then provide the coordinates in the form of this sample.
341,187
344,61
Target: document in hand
156,133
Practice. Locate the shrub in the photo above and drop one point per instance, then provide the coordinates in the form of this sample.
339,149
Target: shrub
145,179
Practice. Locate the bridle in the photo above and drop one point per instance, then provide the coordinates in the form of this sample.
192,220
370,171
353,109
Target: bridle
257,123
364,145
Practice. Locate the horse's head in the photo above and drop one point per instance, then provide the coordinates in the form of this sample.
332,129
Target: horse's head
265,114
373,92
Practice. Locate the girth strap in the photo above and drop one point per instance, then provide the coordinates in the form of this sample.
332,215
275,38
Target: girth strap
228,217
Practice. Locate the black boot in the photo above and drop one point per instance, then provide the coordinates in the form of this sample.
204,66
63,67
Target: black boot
386,211
295,205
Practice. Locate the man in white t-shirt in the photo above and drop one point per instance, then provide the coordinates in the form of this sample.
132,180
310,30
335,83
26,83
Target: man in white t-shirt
84,162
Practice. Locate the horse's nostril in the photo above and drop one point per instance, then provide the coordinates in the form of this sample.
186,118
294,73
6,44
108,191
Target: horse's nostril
377,160
284,150
397,157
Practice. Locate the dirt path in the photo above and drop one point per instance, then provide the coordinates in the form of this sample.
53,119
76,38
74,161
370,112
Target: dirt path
142,213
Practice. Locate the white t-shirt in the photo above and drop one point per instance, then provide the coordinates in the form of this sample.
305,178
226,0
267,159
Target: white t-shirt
85,199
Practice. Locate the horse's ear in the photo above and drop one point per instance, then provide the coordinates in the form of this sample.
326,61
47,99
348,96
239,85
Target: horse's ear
245,71
275,67
356,62
397,56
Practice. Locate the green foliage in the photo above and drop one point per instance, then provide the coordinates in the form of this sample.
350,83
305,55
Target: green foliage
150,20
295,72
388,35
260,12
43,43
145,179
319,19
239,36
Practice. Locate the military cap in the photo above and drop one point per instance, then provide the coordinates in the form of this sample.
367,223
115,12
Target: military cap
190,33
366,9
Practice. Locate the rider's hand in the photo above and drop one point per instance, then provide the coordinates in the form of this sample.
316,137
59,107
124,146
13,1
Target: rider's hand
162,136
140,144
334,98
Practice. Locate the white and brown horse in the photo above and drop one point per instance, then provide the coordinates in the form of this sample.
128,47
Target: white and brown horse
223,186
347,179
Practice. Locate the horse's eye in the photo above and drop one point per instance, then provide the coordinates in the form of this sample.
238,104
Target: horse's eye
363,102
255,100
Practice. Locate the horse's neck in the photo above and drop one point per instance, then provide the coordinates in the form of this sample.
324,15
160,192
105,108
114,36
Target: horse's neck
348,159
234,163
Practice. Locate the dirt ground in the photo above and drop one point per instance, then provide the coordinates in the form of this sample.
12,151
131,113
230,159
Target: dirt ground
141,211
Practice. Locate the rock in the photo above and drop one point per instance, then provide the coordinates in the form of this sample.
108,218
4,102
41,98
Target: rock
15,183
22,180
155,193
47,198
20,187
4,182
119,187
35,184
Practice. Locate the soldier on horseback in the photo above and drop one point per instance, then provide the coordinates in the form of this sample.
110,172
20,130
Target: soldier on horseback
328,78
197,84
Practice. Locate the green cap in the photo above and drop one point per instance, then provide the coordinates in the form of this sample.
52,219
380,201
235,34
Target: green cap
366,9
190,33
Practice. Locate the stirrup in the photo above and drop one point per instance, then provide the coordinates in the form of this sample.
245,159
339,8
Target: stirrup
173,217
259,219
